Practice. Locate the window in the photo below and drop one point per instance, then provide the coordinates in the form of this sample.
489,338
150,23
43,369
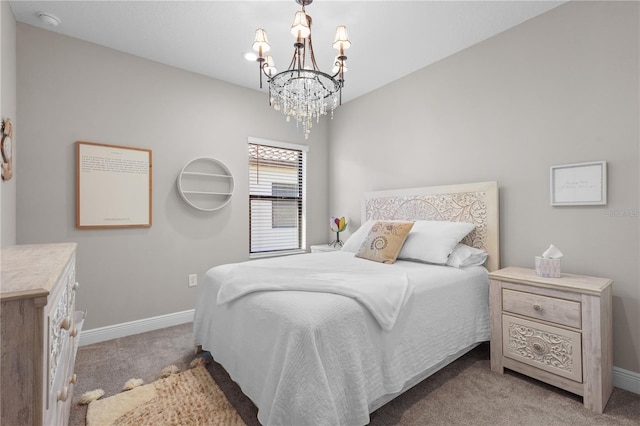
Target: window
284,213
276,197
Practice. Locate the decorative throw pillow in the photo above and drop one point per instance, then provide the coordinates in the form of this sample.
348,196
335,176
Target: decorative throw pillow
384,241
356,239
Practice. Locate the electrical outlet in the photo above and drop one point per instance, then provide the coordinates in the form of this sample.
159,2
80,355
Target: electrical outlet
193,280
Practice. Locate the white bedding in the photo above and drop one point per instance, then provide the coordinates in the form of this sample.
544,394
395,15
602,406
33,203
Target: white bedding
314,358
382,290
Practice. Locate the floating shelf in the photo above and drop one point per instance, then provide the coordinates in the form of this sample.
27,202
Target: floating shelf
205,184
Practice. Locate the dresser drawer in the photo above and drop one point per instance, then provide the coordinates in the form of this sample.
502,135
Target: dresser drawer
549,348
559,311
60,321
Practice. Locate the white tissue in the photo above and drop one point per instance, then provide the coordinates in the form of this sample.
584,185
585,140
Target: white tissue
552,253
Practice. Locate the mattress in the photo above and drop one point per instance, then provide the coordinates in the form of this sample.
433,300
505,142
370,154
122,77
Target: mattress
315,358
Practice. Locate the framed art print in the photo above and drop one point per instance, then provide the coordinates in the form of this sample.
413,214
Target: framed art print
581,184
113,186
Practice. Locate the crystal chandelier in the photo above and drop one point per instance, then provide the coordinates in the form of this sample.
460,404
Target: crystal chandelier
303,91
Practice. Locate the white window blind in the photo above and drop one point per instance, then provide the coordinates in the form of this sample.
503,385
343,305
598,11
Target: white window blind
276,197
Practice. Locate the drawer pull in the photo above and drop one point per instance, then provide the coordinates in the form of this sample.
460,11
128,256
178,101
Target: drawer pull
65,324
63,394
537,307
73,332
73,379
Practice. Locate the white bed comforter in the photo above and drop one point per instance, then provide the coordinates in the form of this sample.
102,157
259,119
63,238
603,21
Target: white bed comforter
383,293
315,358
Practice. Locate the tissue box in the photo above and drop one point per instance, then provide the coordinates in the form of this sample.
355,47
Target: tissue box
548,268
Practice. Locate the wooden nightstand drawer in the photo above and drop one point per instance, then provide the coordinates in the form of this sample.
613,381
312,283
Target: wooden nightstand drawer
559,311
548,348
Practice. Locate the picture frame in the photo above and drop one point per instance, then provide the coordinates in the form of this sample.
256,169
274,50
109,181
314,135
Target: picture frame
580,184
113,186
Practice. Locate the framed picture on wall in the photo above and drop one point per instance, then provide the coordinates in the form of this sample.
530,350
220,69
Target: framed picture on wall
113,186
580,184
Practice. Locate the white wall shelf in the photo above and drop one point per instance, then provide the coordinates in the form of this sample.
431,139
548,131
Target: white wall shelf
205,184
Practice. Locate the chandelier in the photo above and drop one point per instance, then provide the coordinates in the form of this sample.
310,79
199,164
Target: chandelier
303,91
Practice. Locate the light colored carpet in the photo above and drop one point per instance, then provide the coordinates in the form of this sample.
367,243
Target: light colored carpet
478,396
463,393
187,398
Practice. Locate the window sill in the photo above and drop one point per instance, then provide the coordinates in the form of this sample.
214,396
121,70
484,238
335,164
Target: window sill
275,254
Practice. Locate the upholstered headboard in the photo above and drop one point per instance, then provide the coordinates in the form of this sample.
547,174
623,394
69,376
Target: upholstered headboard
472,202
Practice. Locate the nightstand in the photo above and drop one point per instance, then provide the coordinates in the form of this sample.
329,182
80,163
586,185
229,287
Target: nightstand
557,330
323,248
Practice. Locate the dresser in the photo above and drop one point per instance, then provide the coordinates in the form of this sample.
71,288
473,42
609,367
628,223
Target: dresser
557,330
40,332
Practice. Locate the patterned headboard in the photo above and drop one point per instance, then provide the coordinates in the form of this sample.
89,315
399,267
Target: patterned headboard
473,202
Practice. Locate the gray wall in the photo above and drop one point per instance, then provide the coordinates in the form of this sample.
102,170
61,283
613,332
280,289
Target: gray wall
8,109
70,90
561,88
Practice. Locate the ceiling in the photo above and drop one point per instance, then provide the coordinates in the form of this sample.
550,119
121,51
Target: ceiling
390,39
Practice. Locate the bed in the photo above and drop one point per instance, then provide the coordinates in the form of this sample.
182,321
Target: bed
305,356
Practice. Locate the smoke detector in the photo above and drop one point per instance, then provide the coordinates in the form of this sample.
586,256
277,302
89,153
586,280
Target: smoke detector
48,19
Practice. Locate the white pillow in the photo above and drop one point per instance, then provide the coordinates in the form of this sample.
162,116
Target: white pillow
464,255
356,239
432,241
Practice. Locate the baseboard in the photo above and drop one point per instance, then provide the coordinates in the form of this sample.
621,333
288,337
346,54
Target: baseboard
627,380
109,332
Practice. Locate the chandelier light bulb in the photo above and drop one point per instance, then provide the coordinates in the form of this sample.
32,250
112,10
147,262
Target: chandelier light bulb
337,62
270,68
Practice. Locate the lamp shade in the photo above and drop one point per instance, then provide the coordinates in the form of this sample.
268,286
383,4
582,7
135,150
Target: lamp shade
300,27
342,39
261,44
336,65
271,66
